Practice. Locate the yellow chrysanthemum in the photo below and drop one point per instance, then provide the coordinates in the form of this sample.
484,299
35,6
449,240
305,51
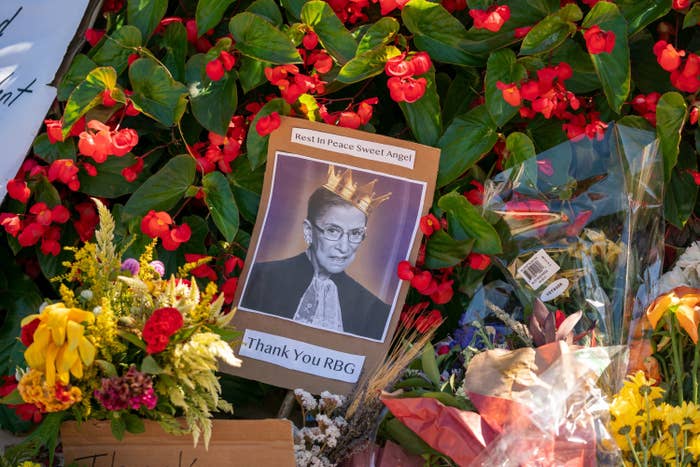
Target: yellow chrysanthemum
60,347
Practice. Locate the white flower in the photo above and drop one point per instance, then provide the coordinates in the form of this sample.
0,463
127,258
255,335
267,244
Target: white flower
87,294
305,399
97,310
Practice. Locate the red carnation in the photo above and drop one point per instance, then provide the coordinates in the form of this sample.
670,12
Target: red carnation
162,324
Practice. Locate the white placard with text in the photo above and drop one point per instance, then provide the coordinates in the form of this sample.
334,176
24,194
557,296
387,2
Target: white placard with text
302,356
34,36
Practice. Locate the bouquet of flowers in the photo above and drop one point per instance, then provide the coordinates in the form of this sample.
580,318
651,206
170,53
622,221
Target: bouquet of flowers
583,231
124,343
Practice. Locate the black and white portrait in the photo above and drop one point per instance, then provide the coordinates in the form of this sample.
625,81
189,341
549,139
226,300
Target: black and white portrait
328,249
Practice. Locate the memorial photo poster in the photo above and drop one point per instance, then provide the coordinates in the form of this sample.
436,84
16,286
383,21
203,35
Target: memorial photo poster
319,298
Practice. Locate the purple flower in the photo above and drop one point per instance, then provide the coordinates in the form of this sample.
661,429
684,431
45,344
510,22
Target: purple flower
132,390
158,266
131,265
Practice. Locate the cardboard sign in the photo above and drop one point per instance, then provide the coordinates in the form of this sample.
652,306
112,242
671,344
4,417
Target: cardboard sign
319,297
34,36
233,443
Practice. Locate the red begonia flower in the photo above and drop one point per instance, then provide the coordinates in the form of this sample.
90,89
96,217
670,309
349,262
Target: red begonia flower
478,261
93,36
686,78
11,222
680,4
215,70
310,40
476,194
132,172
31,234
60,214
42,213
429,224
454,5
268,124
405,270
181,233
492,19
232,263
667,56
124,141
18,189
398,66
322,62
54,130
49,241
424,283
204,270
519,33
107,99
229,289
443,294
421,63
156,223
599,41
227,60
365,109
511,93
349,119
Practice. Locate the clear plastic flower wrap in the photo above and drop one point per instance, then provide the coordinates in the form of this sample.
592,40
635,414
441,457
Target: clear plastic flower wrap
582,225
533,407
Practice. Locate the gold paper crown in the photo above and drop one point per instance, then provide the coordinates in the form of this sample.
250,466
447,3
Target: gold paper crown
363,197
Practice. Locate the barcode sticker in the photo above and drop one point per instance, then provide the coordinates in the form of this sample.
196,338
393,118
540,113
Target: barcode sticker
538,269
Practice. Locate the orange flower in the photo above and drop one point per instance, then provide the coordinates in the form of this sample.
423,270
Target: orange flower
683,301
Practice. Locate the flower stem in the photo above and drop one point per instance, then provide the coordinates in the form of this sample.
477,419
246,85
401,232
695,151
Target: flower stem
676,356
696,368
634,452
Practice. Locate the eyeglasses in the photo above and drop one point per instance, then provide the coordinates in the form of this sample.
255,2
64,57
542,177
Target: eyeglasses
334,233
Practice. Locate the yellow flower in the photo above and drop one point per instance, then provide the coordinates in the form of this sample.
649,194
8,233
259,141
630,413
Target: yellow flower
34,389
60,345
683,301
693,448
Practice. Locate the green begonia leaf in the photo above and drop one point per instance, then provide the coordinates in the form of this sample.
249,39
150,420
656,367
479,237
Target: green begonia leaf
165,188
156,93
259,39
222,206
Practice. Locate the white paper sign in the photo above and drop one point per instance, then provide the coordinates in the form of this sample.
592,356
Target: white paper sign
301,356
355,147
34,36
